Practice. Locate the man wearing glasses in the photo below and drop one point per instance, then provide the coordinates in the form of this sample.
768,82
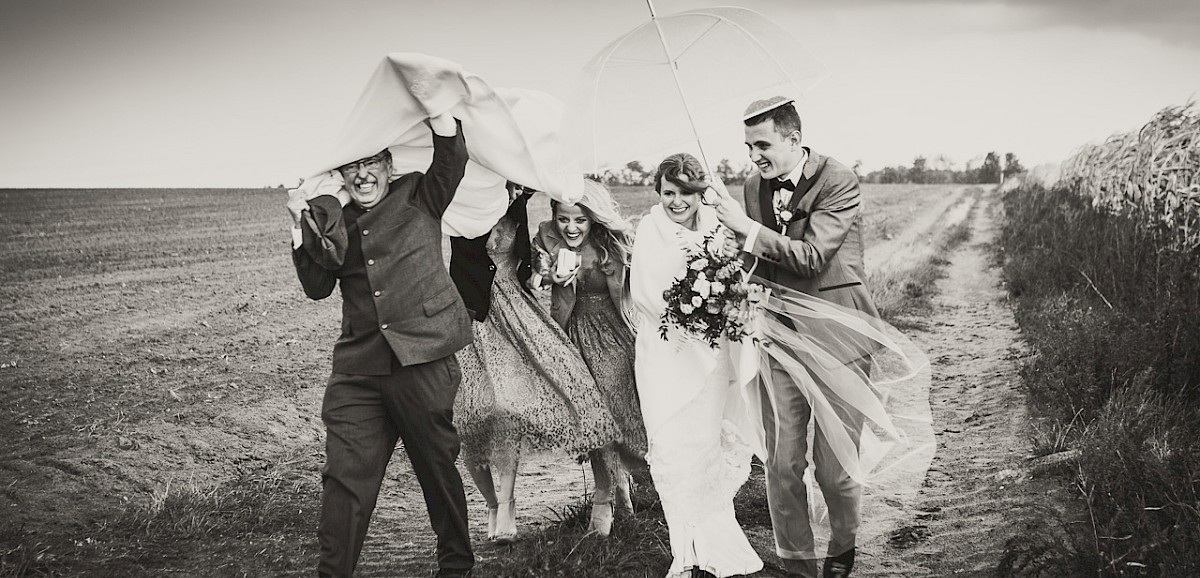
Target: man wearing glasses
394,374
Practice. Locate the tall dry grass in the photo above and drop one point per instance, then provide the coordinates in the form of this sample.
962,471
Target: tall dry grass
1112,310
1152,174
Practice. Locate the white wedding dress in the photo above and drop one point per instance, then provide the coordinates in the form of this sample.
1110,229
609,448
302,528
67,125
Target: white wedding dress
695,414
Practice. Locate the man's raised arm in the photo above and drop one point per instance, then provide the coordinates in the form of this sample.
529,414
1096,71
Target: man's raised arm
436,187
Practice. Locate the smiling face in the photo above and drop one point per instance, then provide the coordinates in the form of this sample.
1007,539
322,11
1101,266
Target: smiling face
776,155
573,224
679,204
367,179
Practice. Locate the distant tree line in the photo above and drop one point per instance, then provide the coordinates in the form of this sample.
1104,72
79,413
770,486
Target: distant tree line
923,171
634,173
941,170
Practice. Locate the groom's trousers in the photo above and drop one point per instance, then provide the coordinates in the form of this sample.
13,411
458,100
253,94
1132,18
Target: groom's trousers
787,494
364,417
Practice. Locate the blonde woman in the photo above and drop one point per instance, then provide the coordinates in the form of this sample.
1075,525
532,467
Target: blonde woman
585,253
524,386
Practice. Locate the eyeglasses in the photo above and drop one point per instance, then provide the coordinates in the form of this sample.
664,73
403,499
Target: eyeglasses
370,164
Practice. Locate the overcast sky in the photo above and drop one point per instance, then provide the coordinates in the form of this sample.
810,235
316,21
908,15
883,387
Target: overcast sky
130,93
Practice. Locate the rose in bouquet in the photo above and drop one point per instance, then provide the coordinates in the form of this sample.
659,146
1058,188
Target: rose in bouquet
711,299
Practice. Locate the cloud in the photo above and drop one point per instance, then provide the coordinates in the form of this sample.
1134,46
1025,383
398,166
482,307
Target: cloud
1171,21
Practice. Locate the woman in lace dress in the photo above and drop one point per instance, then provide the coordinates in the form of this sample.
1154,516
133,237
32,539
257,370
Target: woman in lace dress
591,302
694,416
524,386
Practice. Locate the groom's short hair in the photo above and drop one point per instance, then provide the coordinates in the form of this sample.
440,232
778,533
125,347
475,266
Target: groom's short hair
785,117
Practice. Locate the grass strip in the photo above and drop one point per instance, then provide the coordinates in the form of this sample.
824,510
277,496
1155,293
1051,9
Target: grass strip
1112,313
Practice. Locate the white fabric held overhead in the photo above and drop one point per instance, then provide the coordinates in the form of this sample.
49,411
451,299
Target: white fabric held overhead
511,134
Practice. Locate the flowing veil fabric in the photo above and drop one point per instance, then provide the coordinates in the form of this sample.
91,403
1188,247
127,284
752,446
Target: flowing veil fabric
844,362
511,134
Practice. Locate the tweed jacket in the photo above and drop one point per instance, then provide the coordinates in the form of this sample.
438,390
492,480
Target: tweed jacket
822,251
562,298
397,296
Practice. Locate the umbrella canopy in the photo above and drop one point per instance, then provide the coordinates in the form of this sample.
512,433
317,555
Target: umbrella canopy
677,79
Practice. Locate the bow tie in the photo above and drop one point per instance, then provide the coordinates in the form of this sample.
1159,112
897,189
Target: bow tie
777,184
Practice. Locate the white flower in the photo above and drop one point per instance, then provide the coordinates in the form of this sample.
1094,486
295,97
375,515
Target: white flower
699,264
686,309
716,287
756,293
697,301
702,287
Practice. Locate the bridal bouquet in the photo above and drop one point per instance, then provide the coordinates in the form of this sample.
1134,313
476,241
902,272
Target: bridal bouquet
711,299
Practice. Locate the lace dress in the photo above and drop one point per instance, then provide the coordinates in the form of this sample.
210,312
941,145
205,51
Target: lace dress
523,383
606,343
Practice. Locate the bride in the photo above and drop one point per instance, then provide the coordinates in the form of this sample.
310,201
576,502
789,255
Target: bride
695,418
705,416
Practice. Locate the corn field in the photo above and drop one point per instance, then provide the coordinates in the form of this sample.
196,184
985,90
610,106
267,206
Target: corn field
1152,174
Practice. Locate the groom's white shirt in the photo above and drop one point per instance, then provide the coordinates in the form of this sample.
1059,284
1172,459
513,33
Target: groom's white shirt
782,196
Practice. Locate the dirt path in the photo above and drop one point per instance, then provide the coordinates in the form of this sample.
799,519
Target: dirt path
894,250
979,492
400,542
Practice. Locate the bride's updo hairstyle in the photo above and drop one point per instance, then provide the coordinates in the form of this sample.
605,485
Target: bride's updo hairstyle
685,165
610,233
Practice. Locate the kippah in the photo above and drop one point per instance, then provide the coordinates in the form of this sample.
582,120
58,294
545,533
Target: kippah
760,106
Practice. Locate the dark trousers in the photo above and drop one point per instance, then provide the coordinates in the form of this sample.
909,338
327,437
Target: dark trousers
364,416
787,494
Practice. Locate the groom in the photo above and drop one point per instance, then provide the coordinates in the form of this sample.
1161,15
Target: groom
802,223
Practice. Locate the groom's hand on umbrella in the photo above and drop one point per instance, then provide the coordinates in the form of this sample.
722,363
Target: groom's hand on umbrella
729,212
732,246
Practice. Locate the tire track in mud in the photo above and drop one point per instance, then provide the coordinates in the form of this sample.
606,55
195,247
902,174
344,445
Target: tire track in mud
920,232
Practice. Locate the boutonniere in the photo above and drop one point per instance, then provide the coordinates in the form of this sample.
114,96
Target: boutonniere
785,216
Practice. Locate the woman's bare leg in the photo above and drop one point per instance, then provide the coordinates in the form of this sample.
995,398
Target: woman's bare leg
482,476
506,517
602,495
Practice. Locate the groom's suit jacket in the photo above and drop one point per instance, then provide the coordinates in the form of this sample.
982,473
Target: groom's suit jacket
397,297
821,253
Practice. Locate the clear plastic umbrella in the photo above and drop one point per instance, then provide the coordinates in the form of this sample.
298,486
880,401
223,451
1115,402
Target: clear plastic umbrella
673,82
